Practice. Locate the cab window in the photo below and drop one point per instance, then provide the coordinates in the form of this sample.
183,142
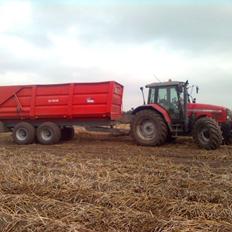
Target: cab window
163,97
152,96
174,98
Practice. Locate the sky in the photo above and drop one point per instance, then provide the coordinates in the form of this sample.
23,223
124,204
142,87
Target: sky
133,42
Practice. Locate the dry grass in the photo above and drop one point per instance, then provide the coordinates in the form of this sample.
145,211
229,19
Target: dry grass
101,183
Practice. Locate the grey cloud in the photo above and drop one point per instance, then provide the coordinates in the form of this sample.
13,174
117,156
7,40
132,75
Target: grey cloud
195,28
202,27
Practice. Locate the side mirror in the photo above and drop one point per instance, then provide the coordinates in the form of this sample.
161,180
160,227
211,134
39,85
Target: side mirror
197,89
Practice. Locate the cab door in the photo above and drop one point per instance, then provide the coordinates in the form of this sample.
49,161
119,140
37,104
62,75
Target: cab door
169,99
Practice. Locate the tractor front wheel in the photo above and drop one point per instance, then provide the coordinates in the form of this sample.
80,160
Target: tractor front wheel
148,128
207,134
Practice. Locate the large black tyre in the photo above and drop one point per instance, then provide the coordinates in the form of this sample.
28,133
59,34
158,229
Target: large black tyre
23,133
48,133
67,133
207,134
148,128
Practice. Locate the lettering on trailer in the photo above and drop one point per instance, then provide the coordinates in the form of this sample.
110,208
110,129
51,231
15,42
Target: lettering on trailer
53,100
90,100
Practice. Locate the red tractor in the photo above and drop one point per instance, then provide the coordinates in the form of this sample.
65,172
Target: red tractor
171,111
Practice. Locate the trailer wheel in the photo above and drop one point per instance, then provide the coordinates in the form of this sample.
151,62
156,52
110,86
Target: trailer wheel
48,133
149,128
23,133
207,134
67,133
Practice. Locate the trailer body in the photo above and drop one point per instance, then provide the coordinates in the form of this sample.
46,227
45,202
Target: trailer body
61,102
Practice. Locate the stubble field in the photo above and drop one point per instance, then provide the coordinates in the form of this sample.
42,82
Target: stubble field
99,182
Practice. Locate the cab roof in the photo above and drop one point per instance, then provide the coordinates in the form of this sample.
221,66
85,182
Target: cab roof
167,83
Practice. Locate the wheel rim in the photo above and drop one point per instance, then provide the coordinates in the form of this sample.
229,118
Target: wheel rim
46,134
205,135
21,134
146,130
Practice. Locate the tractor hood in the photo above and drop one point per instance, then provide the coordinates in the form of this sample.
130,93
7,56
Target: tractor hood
206,108
219,113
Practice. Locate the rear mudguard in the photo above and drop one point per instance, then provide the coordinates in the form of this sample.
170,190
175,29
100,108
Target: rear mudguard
158,109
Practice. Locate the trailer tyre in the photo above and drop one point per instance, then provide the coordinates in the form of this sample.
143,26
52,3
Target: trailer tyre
148,128
67,133
23,133
207,134
48,133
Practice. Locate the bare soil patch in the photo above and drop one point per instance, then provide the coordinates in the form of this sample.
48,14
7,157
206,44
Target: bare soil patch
98,182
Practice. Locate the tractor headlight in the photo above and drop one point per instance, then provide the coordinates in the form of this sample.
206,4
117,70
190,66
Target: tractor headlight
229,114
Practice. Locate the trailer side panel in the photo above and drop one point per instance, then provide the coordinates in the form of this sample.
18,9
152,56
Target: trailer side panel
63,101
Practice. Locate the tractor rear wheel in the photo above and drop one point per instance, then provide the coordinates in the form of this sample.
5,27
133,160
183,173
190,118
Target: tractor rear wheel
148,128
23,133
67,133
48,133
207,134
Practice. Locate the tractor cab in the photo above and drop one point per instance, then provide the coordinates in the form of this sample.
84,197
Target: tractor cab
172,96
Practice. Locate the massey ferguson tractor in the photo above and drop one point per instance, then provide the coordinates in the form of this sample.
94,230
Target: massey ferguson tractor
171,111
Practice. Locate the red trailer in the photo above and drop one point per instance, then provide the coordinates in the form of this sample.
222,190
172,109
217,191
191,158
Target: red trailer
48,112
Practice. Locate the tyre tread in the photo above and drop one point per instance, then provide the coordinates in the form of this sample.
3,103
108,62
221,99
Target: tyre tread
56,133
162,127
215,133
31,133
